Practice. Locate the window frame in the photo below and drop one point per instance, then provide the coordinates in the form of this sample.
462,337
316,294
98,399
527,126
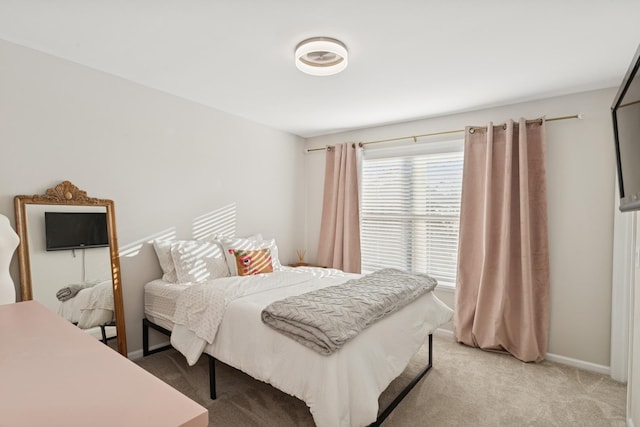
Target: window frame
410,151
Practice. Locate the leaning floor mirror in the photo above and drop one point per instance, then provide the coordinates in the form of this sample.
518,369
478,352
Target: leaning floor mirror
69,262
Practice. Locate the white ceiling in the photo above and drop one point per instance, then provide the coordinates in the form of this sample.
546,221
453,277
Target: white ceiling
409,59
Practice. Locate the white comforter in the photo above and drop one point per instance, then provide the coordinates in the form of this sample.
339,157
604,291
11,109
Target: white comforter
92,306
341,389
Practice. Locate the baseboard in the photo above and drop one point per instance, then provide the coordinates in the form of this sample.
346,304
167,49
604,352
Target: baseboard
139,354
444,333
580,364
135,355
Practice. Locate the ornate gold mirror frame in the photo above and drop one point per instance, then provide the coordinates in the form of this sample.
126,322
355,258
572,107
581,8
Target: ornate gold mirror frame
68,194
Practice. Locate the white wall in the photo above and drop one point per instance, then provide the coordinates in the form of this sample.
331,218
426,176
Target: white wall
167,163
580,176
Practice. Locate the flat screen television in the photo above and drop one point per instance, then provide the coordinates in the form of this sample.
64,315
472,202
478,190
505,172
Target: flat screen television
626,128
75,230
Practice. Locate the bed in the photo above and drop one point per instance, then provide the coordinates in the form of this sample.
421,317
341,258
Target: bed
341,389
91,307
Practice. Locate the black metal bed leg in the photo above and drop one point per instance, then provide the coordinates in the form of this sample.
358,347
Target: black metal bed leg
387,411
104,333
146,352
145,338
212,376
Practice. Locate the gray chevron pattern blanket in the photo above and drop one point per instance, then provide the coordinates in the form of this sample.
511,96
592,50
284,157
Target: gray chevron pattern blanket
325,319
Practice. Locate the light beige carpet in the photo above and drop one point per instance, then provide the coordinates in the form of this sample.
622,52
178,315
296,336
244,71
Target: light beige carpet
465,387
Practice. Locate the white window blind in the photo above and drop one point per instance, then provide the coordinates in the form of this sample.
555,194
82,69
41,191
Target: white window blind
410,212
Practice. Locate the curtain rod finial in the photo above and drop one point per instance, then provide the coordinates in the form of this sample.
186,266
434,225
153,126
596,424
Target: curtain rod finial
579,116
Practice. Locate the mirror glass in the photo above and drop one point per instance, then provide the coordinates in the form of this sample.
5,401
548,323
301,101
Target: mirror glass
69,261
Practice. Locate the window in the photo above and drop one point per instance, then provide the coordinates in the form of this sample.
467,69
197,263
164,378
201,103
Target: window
410,209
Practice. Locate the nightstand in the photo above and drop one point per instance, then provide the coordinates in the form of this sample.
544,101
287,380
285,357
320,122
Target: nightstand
305,264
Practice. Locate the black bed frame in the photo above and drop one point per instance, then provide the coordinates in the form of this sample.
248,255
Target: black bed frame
146,324
103,331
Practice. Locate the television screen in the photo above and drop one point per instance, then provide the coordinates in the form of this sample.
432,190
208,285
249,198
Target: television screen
626,129
75,230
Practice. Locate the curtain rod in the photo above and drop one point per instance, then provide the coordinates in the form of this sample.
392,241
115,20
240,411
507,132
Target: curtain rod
415,137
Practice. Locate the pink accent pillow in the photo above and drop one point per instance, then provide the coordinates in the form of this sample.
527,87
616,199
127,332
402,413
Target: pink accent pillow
250,262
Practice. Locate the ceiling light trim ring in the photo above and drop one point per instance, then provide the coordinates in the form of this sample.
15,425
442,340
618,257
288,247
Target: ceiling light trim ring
321,56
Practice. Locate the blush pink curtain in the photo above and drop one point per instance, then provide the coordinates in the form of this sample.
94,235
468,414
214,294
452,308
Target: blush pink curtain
339,245
502,296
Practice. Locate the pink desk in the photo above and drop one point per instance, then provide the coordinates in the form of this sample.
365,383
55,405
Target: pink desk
53,374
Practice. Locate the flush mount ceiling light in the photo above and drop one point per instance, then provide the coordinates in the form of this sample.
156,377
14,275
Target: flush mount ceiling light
321,56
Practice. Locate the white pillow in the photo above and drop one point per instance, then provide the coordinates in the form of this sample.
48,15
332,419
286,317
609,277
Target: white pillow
198,261
239,243
163,252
